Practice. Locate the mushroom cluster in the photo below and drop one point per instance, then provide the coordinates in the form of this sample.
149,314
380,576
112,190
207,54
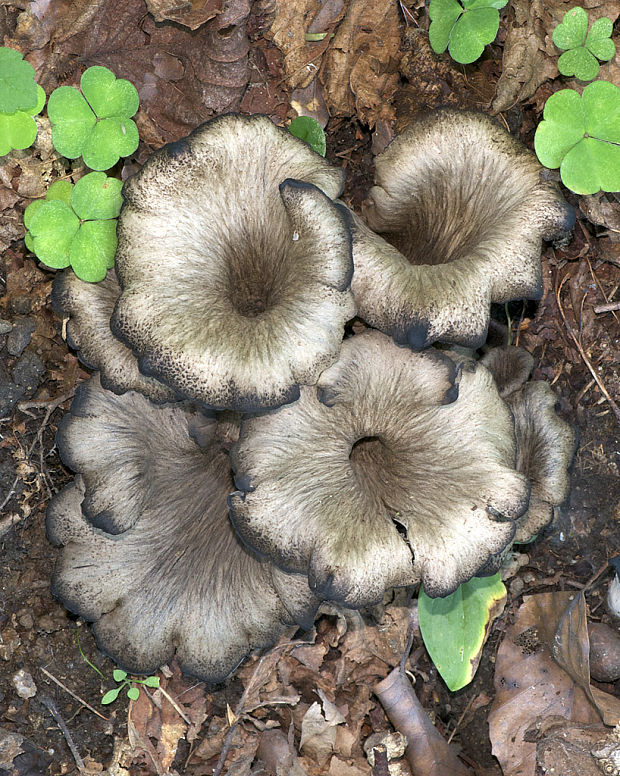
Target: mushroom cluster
241,453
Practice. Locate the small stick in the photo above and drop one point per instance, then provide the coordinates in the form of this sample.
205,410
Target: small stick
72,694
65,731
607,308
174,705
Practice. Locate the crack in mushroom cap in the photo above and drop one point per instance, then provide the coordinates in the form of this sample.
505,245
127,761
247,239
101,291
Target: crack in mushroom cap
88,306
545,448
388,480
178,578
463,212
235,265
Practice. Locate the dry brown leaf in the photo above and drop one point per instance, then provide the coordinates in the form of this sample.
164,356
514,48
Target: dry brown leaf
530,58
531,684
360,70
191,15
123,36
318,729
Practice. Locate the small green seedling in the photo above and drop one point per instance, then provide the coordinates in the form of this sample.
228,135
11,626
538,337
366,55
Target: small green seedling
75,225
581,136
582,48
95,124
454,628
310,131
120,677
20,99
464,29
133,692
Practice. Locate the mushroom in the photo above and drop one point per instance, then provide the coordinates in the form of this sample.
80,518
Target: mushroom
400,468
545,442
88,307
235,265
462,213
170,574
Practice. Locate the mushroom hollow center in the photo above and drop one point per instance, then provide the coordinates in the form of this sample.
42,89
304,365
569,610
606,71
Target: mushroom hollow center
376,466
455,214
259,278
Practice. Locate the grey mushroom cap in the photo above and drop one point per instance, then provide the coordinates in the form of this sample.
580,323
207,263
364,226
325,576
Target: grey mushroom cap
235,265
88,307
174,577
462,213
398,469
545,449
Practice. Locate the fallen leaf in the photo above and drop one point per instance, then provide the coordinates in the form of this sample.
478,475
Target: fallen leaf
530,677
191,15
318,729
360,71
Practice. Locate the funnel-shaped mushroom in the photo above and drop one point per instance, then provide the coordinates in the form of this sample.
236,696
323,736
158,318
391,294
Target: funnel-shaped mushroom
174,576
88,306
545,442
235,265
385,478
462,213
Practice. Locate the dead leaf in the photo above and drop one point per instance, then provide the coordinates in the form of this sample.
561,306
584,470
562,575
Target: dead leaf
191,15
531,684
530,58
121,35
360,71
318,729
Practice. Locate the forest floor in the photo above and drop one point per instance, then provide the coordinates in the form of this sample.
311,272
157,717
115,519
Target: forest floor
370,79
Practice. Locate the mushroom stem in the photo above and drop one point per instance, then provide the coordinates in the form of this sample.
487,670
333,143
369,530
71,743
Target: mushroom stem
427,751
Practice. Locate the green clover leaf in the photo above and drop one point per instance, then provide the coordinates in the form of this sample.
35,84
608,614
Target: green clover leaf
18,91
95,124
581,136
463,29
582,48
310,131
19,129
75,225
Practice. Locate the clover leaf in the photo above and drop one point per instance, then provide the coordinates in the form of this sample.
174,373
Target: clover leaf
18,91
464,29
310,131
581,136
19,129
95,124
75,225
582,48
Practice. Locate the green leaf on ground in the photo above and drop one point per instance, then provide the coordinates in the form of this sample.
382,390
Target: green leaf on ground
95,124
583,48
18,90
75,225
463,29
581,136
455,628
310,131
19,129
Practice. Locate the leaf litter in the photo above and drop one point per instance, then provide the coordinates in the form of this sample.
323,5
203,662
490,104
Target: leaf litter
366,70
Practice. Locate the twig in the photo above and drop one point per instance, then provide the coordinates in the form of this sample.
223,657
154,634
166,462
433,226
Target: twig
582,352
72,694
172,702
49,703
607,308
